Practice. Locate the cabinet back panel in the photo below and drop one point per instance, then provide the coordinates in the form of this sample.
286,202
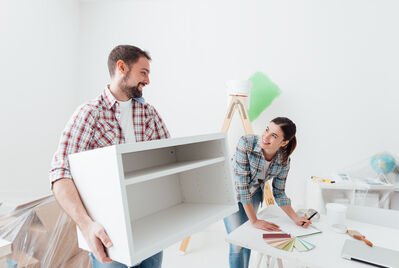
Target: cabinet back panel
200,150
210,184
152,196
146,159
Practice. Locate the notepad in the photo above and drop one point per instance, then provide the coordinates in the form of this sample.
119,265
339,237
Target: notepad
287,226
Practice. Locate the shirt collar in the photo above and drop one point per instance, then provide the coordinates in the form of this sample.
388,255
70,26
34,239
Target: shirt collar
139,100
257,148
110,100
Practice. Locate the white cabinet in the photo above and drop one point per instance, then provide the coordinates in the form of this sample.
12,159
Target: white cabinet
150,195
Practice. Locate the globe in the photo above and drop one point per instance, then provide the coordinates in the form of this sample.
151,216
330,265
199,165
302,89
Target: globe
383,163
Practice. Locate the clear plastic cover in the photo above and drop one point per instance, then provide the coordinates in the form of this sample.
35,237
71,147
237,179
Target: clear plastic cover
42,235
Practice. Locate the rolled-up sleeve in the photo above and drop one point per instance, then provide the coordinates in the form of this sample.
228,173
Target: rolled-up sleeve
279,186
242,172
75,138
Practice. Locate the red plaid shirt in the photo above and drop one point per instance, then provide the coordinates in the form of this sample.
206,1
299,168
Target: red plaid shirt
96,124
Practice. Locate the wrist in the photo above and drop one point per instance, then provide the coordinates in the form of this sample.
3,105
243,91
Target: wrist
84,222
295,218
253,220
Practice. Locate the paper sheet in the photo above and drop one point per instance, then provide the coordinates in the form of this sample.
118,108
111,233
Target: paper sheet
289,227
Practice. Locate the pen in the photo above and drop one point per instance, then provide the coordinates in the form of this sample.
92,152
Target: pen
310,217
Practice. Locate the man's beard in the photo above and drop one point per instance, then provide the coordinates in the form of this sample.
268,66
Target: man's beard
133,92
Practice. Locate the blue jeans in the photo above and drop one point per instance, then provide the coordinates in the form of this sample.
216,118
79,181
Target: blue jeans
239,256
154,261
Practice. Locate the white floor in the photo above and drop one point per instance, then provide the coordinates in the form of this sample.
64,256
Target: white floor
206,249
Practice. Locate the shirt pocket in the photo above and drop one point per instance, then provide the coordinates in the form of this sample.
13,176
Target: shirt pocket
107,133
149,132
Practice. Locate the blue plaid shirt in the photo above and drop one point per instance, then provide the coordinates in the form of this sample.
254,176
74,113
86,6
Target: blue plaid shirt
248,163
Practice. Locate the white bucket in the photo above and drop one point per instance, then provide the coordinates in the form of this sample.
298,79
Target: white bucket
239,87
336,213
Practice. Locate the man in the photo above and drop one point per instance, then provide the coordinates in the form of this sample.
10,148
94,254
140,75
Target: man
118,115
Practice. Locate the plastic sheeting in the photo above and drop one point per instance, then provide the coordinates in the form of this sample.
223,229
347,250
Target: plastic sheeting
42,235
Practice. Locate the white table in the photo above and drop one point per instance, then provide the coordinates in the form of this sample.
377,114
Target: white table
327,252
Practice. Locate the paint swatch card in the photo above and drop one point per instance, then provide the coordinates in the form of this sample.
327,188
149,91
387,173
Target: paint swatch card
287,242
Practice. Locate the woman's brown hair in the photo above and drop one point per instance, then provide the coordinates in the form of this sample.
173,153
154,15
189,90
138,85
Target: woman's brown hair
289,129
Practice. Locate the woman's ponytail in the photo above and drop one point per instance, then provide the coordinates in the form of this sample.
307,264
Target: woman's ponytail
289,129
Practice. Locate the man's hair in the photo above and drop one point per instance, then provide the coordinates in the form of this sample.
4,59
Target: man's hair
128,54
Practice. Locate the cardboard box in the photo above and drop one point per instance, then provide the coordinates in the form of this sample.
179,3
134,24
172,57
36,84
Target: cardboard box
62,245
81,260
22,260
36,239
49,213
3,262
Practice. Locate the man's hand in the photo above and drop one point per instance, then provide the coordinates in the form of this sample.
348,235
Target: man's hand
68,197
303,222
97,238
265,225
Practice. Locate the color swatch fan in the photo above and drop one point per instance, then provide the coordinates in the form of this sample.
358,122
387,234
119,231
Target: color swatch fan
287,242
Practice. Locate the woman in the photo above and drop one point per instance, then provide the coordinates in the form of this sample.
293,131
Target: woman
257,160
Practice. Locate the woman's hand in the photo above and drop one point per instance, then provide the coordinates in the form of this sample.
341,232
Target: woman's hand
265,225
302,221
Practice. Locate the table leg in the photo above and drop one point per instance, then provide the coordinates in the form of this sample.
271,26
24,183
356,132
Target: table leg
272,262
259,257
268,260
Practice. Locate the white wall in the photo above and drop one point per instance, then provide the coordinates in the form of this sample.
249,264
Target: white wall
335,61
38,52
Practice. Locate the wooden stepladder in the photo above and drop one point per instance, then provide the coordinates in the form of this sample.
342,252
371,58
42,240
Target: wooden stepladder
237,102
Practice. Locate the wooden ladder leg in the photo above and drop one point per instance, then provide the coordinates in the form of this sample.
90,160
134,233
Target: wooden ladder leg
244,115
184,244
229,115
267,194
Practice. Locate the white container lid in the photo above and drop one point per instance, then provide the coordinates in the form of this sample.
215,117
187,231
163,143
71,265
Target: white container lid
336,207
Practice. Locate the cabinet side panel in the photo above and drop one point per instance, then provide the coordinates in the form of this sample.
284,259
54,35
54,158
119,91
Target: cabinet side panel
96,176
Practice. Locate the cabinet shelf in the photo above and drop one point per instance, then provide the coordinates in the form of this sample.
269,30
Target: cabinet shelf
169,169
169,225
